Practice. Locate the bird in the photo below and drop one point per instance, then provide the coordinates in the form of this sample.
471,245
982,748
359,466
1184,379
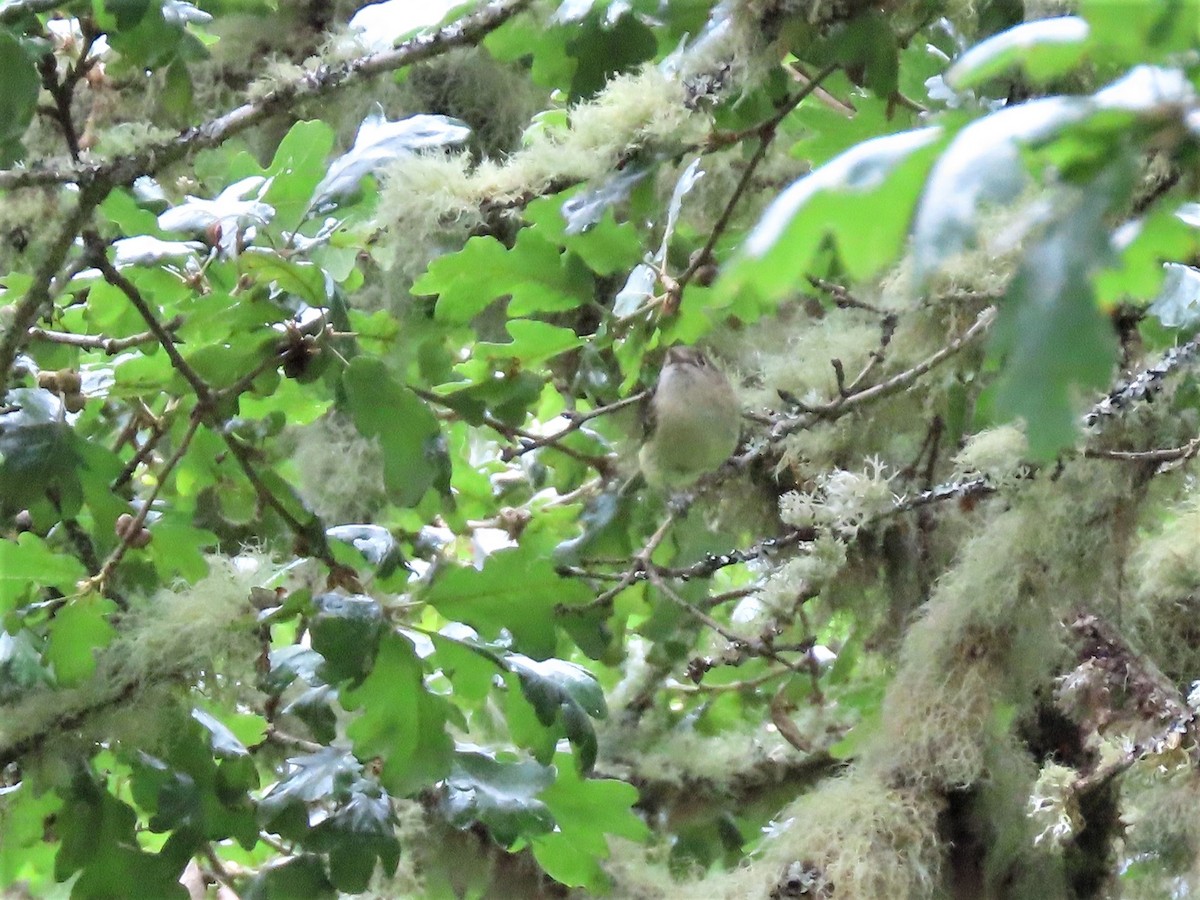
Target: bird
694,421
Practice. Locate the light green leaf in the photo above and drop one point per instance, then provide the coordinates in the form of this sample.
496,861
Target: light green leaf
514,591
400,721
409,433
79,629
532,342
28,562
1045,49
862,199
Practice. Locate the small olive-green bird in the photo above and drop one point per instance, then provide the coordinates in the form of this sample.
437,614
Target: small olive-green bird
694,421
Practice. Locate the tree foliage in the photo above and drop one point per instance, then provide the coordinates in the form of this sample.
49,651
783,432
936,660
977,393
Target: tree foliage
322,337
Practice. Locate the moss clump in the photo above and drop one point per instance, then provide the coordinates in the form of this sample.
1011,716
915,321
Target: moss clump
172,636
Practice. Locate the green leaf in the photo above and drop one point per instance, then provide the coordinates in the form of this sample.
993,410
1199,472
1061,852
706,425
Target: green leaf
532,342
863,199
1045,49
585,811
24,852
292,662
534,273
223,741
1145,245
583,211
178,548
867,45
827,131
982,167
21,668
18,100
300,278
177,92
290,878
565,693
409,433
1136,31
359,833
1178,306
97,834
603,48
376,544
78,630
1052,338
471,672
346,630
38,451
296,169
29,562
400,721
313,778
125,13
503,796
514,591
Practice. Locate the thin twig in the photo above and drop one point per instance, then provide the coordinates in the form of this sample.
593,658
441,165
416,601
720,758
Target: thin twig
727,687
1156,455
840,405
639,569
159,425
766,134
98,251
109,345
100,580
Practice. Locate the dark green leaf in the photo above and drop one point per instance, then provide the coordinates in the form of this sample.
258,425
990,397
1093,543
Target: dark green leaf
1050,334
346,630
503,796
565,693
19,97
37,451
291,878
359,833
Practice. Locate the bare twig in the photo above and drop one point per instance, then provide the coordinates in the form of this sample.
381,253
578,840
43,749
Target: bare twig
99,258
842,404
158,428
728,687
99,581
766,134
63,90
1155,455
527,442
109,345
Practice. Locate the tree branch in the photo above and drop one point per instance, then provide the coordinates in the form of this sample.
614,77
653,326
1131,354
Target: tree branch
157,155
